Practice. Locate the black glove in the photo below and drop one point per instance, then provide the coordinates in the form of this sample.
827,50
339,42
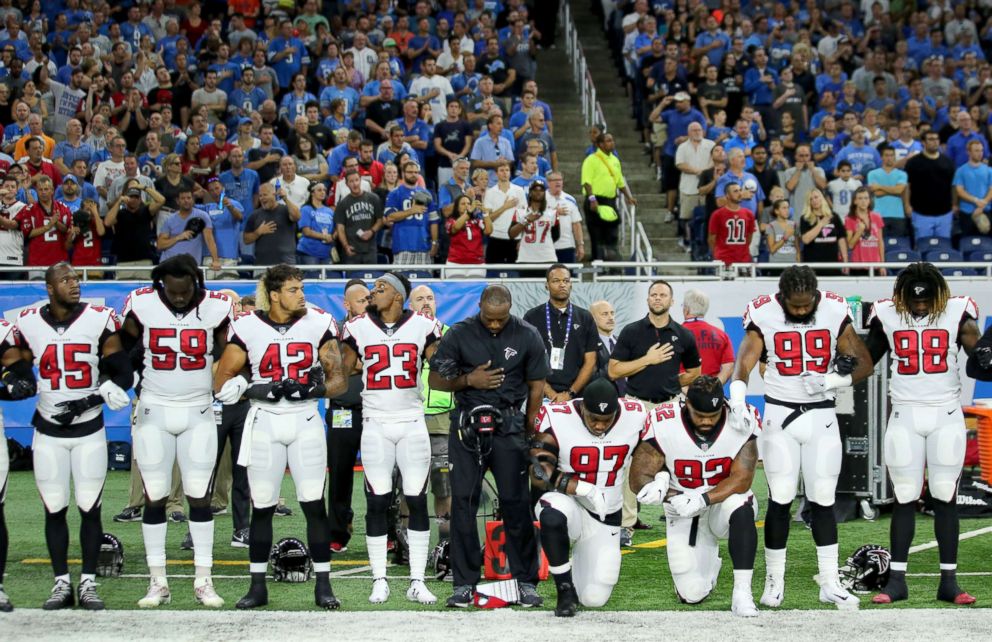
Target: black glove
294,390
844,364
75,407
983,355
265,392
19,381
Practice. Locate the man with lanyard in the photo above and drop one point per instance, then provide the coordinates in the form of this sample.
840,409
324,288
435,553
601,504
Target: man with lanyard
602,179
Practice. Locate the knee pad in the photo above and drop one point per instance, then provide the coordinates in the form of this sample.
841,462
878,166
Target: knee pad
200,513
198,502
154,512
681,561
417,505
440,480
943,490
691,587
377,507
594,595
552,519
56,516
314,509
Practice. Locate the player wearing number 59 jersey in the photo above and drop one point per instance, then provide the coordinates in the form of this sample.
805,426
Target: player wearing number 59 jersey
702,470
177,322
800,330
292,355
392,343
580,456
923,328
71,343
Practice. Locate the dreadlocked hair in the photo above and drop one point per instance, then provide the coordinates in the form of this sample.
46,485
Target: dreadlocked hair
272,281
915,274
179,267
797,279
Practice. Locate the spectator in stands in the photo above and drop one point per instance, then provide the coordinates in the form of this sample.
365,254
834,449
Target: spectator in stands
677,120
570,247
317,229
181,236
535,226
537,130
35,164
309,163
841,190
731,228
35,130
67,151
823,235
240,182
133,223
891,191
383,109
358,218
496,66
227,216
958,144
692,157
452,141
714,346
295,187
212,97
932,199
416,132
751,194
973,184
780,234
862,156
502,200
271,228
491,149
602,180
110,169
467,227
11,238
265,158
45,225
759,85
864,227
413,222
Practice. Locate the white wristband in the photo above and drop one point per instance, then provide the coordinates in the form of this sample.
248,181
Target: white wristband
584,489
738,391
832,381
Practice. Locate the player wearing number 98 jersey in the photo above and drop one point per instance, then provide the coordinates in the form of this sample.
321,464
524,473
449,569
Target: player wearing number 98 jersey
71,342
800,330
580,456
392,343
292,354
924,328
177,322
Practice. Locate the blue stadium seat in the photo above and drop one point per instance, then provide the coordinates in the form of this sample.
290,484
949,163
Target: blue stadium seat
969,244
417,274
942,256
902,255
979,256
958,272
367,275
502,274
933,243
896,243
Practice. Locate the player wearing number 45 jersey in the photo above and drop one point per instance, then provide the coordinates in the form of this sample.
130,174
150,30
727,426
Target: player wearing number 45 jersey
71,343
702,471
801,330
290,353
924,328
178,323
392,343
580,455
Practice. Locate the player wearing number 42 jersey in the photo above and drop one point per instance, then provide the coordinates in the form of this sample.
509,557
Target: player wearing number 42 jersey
811,349
392,343
580,456
923,327
290,353
177,323
72,343
702,470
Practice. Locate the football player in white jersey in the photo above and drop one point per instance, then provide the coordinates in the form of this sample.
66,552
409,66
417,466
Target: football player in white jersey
702,471
580,455
393,342
800,330
71,343
178,323
924,327
292,357
18,382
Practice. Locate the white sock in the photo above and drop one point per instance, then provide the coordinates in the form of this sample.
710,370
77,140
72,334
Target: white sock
564,568
258,567
419,542
321,567
87,577
899,566
377,555
775,562
65,578
742,579
826,561
948,567
154,535
203,545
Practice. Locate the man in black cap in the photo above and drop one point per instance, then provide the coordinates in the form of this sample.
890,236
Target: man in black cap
494,363
579,456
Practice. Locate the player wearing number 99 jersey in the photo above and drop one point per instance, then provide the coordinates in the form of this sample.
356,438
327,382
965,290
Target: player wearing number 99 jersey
71,342
392,343
291,351
800,330
706,490
924,328
177,322
580,456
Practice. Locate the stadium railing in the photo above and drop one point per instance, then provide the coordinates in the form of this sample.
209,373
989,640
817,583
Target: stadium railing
717,271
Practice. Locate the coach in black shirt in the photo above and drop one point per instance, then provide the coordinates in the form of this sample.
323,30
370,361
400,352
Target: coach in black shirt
569,334
492,359
650,352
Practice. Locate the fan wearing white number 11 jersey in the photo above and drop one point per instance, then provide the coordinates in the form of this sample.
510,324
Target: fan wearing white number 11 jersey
392,344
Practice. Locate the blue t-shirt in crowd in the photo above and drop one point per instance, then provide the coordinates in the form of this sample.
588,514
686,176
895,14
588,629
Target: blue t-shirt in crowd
412,234
318,219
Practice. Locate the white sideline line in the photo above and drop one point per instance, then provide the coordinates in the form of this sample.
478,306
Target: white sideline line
961,538
971,574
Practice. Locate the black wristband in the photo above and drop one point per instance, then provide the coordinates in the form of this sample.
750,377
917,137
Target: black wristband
706,498
562,485
118,366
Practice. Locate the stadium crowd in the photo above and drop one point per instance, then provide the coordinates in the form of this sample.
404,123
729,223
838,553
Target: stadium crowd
310,132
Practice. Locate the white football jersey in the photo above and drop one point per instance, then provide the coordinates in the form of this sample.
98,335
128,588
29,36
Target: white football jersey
67,354
178,347
392,358
597,460
280,351
695,463
794,348
924,370
8,336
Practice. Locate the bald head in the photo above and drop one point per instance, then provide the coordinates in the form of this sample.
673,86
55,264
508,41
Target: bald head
496,296
604,315
356,299
422,300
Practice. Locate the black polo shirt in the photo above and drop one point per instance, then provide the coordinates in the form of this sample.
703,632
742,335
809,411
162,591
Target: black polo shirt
583,337
517,349
658,382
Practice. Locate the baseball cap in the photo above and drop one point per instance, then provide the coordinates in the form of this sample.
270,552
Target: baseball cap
680,96
388,42
134,191
244,121
71,177
600,397
538,182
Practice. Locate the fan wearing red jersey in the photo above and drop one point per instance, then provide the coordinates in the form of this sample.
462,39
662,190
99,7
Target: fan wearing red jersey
702,471
72,343
731,228
580,455
392,343
176,324
924,328
290,353
811,350
45,226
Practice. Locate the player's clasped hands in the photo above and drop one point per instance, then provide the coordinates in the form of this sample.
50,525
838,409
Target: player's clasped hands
688,504
814,383
485,378
660,353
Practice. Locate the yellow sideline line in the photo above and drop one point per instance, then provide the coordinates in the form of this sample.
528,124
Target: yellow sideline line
661,543
42,560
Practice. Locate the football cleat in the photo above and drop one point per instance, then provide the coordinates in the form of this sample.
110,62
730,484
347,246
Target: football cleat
568,600
626,537
283,511
742,604
529,596
337,548
894,591
218,510
774,591
5,605
323,596
831,592
129,514
203,591
240,538
187,544
461,597
257,596
61,597
177,516
380,591
88,599
158,594
418,592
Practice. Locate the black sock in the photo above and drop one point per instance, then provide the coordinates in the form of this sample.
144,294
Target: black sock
743,540
563,578
419,521
200,511
946,527
57,539
318,530
154,513
90,538
824,524
554,536
777,524
4,541
901,530
260,537
376,513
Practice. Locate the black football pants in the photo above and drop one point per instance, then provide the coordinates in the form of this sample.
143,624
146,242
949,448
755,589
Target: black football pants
232,426
342,449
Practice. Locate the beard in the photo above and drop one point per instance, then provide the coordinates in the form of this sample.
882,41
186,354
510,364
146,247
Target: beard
372,308
800,320
660,310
